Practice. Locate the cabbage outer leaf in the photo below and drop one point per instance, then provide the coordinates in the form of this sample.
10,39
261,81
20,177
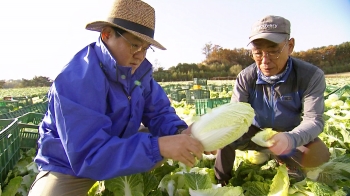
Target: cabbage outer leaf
223,125
262,138
280,182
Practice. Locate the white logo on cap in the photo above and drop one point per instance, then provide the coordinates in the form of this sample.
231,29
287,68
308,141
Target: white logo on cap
265,27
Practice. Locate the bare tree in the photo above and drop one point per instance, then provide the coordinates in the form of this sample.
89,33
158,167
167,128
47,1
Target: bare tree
157,66
208,48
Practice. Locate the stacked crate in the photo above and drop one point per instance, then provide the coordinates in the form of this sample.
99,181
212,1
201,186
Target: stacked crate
8,105
198,90
205,105
29,125
38,108
22,101
193,95
18,131
178,95
9,146
200,81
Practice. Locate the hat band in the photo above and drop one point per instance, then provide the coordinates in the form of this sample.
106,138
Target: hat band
132,26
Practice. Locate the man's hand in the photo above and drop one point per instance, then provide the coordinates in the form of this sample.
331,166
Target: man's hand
281,144
188,132
181,147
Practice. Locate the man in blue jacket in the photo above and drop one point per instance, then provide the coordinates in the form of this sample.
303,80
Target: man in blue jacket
97,104
287,96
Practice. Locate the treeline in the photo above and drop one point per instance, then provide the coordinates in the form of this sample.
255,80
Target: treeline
227,63
37,81
224,63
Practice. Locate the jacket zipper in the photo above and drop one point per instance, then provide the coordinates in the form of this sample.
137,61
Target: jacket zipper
133,88
272,102
126,93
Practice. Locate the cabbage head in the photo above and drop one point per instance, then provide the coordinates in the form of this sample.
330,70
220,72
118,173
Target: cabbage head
223,125
256,157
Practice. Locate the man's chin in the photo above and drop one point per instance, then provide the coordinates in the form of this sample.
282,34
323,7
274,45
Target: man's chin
268,73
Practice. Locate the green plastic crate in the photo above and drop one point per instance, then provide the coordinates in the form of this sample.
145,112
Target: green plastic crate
331,88
200,81
38,108
178,95
204,87
192,95
219,88
185,87
211,87
9,104
340,91
230,88
22,101
13,114
166,90
4,109
203,105
31,117
29,136
9,146
29,125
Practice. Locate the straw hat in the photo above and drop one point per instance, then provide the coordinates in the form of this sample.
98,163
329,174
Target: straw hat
133,16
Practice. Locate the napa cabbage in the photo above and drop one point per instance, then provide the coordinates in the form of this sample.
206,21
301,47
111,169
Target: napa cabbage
341,115
256,157
280,182
171,183
332,171
223,125
263,137
219,191
126,185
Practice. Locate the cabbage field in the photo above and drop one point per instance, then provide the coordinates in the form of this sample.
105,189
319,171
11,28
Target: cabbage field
254,173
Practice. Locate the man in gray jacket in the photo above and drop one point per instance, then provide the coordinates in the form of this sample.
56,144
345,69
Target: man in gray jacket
287,96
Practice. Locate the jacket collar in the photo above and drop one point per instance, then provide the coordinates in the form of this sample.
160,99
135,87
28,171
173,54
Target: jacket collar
282,79
114,71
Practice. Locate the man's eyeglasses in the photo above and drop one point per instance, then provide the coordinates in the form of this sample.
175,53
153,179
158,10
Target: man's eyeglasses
134,48
258,54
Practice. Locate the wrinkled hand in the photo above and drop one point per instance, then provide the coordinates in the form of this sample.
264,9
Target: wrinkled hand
281,144
188,132
181,147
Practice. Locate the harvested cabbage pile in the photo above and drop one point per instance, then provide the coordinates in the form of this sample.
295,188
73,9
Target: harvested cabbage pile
223,125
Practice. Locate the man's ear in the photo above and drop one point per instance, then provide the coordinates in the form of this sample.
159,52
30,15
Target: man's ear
291,44
106,33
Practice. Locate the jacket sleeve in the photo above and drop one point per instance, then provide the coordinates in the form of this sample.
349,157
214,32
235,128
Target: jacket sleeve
83,138
159,116
240,91
313,108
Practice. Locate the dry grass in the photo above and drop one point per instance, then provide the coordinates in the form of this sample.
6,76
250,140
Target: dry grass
346,74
